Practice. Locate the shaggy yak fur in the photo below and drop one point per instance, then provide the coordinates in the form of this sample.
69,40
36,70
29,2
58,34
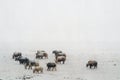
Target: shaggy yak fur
58,53
38,69
16,54
30,64
91,64
60,59
51,66
23,60
41,55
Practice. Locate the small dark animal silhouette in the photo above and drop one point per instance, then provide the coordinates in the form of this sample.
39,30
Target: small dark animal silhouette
51,66
30,64
23,60
41,54
60,59
58,53
92,63
16,54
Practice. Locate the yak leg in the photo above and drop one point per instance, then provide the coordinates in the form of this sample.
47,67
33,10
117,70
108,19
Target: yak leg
90,66
25,66
48,68
55,69
30,67
63,62
52,68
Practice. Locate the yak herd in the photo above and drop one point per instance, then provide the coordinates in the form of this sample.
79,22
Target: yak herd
60,57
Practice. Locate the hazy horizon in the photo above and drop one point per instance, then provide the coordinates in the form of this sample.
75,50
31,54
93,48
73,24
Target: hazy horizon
60,24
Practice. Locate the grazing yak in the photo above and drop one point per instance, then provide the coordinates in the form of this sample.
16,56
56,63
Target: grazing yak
60,59
58,53
38,69
51,66
30,64
92,63
23,60
41,54
16,55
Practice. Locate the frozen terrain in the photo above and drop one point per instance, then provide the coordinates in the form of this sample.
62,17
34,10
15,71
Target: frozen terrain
73,69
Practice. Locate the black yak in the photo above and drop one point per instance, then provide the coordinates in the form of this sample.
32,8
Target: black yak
16,54
51,66
92,63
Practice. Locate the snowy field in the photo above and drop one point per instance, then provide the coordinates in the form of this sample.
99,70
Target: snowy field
83,29
73,69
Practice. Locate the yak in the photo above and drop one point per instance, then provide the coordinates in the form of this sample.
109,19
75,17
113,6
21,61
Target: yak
92,63
51,66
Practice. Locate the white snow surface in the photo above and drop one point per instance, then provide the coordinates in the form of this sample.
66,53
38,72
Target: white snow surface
73,69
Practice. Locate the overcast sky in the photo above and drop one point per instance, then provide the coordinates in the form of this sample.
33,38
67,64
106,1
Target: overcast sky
80,23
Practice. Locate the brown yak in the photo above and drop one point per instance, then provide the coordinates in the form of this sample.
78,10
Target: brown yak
41,54
60,59
30,64
58,53
38,69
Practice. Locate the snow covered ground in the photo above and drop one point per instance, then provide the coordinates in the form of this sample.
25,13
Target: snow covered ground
73,69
